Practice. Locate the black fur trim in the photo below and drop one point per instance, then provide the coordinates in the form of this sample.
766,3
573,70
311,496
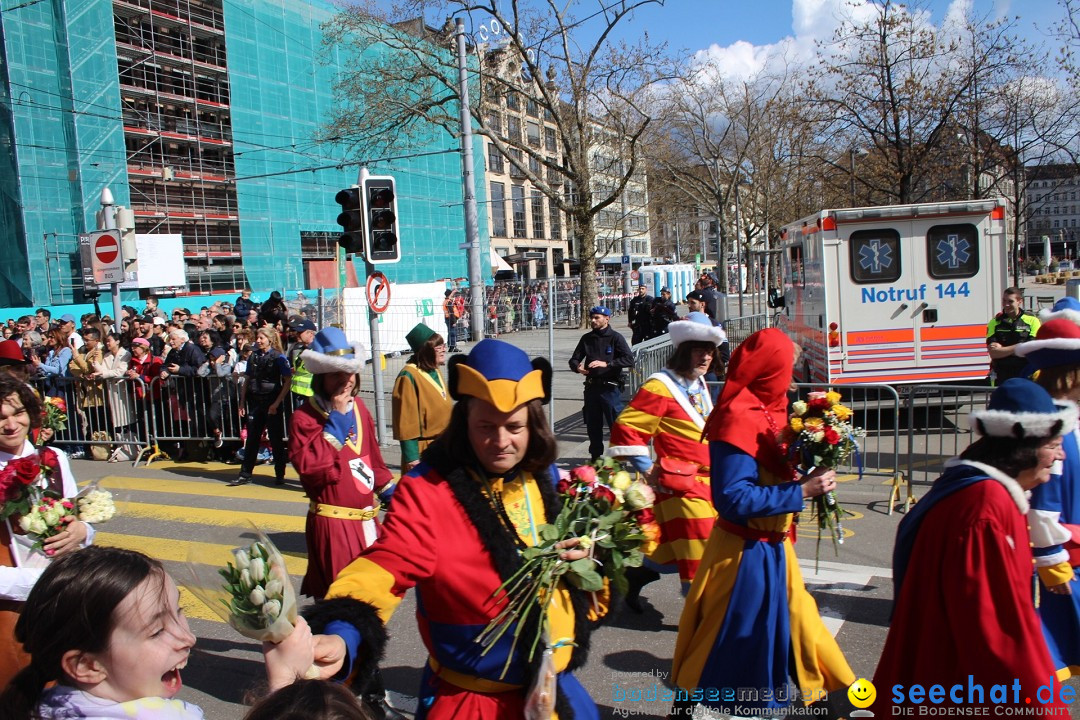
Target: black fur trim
365,618
452,374
544,367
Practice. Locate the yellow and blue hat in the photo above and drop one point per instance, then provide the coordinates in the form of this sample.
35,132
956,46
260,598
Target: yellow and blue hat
500,374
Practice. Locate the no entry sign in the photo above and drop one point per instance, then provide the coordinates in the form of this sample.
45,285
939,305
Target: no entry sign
105,260
107,249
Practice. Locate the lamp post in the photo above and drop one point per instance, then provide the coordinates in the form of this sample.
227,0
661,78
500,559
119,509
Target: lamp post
851,152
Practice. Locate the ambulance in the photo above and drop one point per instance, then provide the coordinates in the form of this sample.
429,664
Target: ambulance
895,294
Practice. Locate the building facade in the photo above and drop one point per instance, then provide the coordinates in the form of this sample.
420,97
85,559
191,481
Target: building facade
204,118
1053,211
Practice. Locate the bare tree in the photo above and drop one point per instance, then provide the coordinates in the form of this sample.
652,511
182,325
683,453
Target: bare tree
893,85
401,91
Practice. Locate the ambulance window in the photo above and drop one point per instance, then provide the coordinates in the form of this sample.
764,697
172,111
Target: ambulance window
952,251
795,257
874,255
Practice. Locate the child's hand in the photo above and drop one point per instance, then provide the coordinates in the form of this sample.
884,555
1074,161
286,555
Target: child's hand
330,653
291,658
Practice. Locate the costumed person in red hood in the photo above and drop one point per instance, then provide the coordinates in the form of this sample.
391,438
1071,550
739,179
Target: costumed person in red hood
748,621
332,445
963,616
459,523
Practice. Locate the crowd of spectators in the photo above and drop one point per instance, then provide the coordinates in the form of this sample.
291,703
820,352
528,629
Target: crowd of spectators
83,361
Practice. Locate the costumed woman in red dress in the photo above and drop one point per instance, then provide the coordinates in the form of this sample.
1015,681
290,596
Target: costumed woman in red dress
20,564
332,445
963,614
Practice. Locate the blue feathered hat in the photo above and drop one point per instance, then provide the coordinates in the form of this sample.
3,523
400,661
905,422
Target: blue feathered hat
1057,344
1021,409
331,351
499,373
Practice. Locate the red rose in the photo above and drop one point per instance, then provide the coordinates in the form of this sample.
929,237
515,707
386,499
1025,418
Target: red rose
565,487
586,474
48,460
831,436
602,493
819,404
644,516
27,469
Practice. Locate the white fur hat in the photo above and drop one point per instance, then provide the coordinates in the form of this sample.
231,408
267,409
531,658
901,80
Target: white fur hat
696,327
1020,409
330,351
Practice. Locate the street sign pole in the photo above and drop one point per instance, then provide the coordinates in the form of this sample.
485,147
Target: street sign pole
108,222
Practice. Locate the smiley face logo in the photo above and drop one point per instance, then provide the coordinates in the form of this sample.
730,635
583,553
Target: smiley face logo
862,693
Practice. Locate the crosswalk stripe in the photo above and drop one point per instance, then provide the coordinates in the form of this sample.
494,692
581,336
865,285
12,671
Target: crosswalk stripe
193,607
212,516
168,550
194,487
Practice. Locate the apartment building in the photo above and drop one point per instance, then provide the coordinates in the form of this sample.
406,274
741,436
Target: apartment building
1053,210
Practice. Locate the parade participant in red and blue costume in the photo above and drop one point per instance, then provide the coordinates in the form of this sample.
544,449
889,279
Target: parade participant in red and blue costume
962,567
1054,517
333,446
455,533
749,622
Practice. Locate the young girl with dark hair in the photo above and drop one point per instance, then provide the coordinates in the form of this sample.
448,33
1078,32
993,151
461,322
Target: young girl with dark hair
105,626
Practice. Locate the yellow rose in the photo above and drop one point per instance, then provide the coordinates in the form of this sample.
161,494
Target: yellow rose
814,424
621,480
796,424
842,412
833,397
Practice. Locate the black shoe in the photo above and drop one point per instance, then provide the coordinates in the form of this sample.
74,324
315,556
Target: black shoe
241,479
638,577
279,481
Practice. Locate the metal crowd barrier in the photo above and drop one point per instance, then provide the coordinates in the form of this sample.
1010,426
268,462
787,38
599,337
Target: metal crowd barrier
107,418
937,427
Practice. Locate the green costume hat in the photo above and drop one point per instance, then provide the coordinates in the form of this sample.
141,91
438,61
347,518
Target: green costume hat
418,336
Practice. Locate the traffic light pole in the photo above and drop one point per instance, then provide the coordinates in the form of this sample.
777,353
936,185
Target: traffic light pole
472,232
376,346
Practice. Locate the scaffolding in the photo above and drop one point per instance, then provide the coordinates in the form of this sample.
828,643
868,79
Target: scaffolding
174,90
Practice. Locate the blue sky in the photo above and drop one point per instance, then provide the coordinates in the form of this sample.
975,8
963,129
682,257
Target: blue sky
697,24
735,30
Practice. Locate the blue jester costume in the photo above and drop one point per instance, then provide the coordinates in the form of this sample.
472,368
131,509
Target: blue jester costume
1054,517
454,533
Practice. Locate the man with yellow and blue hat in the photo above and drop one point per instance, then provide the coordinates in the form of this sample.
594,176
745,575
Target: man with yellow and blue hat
455,533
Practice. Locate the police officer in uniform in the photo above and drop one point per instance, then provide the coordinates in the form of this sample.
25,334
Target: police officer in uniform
301,376
266,385
1012,326
639,315
600,355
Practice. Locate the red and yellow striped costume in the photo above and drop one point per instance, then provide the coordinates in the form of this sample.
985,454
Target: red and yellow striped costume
662,412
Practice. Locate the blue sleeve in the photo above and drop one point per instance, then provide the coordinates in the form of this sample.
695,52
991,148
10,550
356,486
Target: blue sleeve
640,463
347,632
339,425
736,493
1045,500
283,366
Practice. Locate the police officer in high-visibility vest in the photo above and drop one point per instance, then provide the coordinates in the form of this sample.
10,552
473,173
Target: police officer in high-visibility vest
301,377
1005,331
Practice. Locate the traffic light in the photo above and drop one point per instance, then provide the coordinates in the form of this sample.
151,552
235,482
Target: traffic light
381,243
351,220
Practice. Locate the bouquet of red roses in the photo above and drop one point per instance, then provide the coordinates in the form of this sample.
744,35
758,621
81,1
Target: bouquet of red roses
819,434
610,515
41,512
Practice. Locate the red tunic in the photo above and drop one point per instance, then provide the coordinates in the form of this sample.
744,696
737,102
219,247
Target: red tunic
329,479
965,606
